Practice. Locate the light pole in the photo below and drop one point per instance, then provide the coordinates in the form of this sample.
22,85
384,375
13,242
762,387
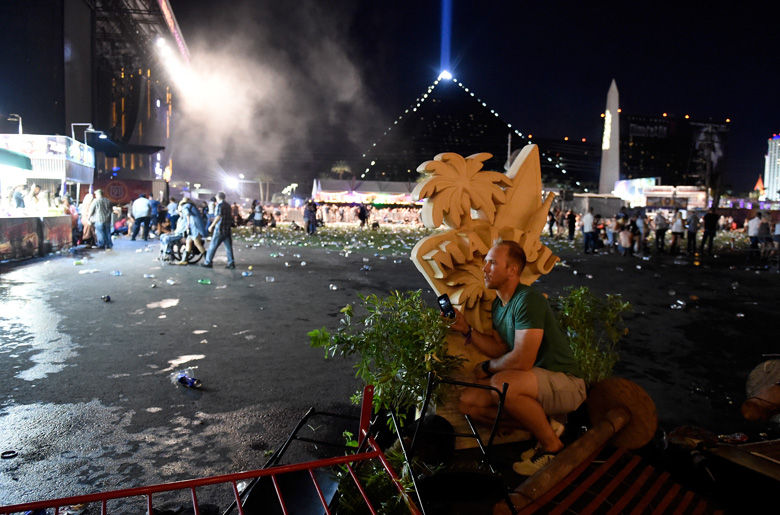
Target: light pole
13,117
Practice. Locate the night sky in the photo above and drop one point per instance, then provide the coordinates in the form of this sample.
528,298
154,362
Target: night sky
544,66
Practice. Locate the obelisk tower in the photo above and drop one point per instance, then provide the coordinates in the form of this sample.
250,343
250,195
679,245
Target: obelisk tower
610,143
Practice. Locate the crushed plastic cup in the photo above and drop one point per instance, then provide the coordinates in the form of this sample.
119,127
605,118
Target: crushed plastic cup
204,281
78,262
297,256
740,315
105,298
333,287
365,268
170,281
366,260
246,274
589,276
734,285
153,285
671,293
639,267
270,278
303,263
116,272
148,276
398,261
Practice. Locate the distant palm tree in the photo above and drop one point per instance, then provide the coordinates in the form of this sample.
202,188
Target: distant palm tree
341,168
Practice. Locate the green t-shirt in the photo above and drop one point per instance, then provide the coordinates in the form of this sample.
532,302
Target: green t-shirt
529,309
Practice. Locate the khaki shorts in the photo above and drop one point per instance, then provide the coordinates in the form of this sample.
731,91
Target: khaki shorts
559,393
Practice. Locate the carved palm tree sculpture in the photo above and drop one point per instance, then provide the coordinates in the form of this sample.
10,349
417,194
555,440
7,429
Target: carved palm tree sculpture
479,207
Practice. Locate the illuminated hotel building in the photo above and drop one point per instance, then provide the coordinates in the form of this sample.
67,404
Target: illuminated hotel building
772,168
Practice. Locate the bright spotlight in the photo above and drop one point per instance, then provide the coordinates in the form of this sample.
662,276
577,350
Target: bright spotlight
445,75
231,183
160,41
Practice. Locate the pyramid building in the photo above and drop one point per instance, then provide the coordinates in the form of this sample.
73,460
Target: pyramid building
448,117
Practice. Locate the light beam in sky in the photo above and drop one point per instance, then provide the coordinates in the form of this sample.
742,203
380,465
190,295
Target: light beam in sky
446,31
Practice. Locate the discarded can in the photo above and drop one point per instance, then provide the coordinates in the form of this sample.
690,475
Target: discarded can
106,298
733,438
204,281
186,380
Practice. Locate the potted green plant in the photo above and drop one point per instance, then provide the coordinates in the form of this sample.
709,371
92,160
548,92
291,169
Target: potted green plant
397,340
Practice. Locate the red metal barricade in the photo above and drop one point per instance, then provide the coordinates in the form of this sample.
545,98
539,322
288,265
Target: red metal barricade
374,453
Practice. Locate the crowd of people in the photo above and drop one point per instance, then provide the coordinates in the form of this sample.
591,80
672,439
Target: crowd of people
636,232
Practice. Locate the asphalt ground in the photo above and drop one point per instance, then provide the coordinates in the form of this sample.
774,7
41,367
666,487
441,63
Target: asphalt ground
88,404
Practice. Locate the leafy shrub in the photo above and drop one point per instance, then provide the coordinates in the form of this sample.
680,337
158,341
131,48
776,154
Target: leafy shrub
398,341
594,327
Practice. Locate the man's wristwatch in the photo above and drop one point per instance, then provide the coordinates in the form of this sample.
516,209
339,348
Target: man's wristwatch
486,367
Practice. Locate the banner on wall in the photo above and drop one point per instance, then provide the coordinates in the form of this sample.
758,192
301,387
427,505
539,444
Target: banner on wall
19,238
57,232
123,191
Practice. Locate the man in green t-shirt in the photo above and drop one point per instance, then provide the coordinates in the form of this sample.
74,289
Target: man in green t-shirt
528,351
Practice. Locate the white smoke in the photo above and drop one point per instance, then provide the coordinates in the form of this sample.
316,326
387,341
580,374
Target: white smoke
272,92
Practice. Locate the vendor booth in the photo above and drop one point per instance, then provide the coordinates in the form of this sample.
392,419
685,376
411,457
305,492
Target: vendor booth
34,170
363,192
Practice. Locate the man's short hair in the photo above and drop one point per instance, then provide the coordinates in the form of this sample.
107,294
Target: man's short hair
221,195
514,253
99,192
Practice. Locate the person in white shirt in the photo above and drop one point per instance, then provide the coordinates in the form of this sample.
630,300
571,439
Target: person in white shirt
141,212
587,231
752,229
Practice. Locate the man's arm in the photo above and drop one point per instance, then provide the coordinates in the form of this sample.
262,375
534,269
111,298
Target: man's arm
216,220
522,357
489,344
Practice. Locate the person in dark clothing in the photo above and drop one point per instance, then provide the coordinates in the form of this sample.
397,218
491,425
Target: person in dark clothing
710,227
571,221
220,226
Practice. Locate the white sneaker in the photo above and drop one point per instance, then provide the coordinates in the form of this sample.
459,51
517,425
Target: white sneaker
534,464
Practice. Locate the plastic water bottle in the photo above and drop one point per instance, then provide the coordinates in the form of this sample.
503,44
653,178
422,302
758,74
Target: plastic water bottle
269,278
116,272
204,281
148,276
246,274
170,281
